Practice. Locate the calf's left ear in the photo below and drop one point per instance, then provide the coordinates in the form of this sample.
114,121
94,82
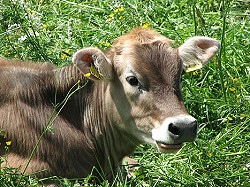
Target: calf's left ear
197,52
93,64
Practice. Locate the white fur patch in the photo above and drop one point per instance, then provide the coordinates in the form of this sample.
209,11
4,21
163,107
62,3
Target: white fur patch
162,134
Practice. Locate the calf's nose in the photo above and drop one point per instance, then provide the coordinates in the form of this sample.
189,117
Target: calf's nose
181,131
176,130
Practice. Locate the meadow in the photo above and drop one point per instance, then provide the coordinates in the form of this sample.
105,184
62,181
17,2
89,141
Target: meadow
218,95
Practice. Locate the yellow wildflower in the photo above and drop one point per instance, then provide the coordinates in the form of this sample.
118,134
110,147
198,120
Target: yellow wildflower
234,79
107,44
111,15
109,19
67,51
63,56
8,143
45,26
229,118
145,25
232,89
116,10
195,73
6,52
120,17
121,9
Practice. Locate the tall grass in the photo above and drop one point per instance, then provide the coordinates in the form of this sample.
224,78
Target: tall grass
218,95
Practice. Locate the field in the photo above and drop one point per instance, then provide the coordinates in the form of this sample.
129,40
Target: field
218,95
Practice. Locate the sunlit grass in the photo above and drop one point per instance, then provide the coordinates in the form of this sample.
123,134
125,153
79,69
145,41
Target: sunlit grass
218,95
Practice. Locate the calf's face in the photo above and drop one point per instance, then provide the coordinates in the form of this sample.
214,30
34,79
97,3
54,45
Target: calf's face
144,95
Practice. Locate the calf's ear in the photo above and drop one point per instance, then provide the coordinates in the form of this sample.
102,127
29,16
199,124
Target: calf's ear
197,51
93,64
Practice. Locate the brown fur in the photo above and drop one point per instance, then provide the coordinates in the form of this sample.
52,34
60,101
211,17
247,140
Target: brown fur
81,134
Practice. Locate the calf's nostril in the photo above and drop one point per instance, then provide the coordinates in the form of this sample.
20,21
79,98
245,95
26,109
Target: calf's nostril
173,129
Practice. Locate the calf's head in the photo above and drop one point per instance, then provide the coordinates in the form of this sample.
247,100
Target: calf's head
143,76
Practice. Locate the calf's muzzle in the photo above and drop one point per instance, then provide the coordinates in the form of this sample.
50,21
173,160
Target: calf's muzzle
174,131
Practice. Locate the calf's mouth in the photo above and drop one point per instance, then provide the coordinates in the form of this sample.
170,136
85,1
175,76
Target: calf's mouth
164,147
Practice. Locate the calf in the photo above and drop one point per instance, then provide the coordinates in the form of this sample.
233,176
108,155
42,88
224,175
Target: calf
61,124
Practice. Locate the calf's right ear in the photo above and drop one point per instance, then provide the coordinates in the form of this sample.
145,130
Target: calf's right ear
93,64
197,51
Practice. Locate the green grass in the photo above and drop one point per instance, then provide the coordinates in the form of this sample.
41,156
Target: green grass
218,95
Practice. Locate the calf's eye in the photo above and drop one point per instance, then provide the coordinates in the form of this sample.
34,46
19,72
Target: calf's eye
132,80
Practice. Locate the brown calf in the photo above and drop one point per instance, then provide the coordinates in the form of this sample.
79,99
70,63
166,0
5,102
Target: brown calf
135,97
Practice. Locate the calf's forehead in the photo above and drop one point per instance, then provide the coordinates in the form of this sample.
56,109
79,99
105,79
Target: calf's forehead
155,61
